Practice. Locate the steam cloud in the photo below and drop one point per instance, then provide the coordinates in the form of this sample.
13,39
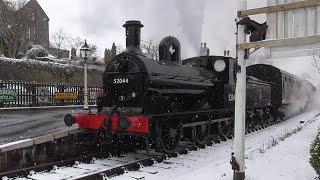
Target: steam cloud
191,21
300,100
191,16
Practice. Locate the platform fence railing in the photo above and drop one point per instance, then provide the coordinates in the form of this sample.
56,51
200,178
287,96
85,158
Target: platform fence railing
36,94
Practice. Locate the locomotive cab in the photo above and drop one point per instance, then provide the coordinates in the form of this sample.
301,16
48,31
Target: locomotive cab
222,68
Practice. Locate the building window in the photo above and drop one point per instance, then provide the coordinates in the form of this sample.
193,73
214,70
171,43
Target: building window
32,16
29,33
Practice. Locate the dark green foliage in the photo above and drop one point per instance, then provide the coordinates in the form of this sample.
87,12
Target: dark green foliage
107,56
110,53
315,154
113,50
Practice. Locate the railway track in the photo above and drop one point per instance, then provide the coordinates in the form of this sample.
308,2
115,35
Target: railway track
108,164
99,167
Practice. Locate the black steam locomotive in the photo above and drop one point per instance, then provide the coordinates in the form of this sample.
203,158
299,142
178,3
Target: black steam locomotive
166,100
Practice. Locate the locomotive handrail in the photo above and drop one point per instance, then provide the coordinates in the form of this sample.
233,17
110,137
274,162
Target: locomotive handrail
258,81
186,113
141,72
205,122
184,77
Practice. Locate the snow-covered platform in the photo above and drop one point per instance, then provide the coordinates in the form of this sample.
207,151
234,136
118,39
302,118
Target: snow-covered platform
23,124
279,152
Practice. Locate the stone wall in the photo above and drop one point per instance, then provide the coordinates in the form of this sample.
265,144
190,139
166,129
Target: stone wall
59,53
47,73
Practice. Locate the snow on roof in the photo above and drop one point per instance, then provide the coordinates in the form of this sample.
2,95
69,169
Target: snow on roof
314,82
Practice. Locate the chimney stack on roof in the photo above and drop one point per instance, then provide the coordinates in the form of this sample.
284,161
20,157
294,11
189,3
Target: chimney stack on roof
204,50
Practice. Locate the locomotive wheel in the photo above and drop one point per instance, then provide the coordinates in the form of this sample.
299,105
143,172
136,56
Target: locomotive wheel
200,133
169,135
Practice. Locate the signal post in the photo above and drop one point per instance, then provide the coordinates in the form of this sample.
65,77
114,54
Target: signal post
286,35
240,100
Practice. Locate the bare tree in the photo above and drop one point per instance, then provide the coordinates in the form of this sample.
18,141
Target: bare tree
150,48
94,49
13,24
60,40
75,42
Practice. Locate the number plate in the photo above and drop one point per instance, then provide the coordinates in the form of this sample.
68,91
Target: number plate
121,81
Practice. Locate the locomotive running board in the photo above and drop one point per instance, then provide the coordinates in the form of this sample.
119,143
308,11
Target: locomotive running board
204,122
208,112
192,114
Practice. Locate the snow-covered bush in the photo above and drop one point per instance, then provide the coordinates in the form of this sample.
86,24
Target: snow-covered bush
315,154
36,51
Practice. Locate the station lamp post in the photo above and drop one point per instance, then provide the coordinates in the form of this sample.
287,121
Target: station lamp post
85,53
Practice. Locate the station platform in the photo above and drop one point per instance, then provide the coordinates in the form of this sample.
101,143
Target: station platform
20,124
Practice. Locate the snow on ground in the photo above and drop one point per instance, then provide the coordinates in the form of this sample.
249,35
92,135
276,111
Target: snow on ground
279,152
288,160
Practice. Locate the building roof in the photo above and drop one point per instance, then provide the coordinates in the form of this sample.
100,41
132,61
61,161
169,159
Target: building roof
33,3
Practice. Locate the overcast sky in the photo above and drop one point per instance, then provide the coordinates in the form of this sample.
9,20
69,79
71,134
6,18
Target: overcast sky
191,21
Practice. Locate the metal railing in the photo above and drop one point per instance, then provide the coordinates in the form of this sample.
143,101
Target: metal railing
36,94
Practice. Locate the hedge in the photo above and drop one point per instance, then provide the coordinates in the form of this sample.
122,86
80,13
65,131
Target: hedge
315,154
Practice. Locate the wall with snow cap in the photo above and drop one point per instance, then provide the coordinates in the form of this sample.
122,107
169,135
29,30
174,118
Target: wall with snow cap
46,72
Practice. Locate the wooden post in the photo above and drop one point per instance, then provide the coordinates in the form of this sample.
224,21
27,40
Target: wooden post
240,101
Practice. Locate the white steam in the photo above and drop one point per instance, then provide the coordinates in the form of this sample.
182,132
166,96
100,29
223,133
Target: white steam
300,99
191,19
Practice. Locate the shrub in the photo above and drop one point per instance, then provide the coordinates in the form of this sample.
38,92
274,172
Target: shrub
315,154
36,51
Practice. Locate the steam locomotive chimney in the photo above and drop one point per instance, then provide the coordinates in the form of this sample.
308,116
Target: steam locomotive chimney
133,31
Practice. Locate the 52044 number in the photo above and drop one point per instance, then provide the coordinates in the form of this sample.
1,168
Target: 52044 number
121,81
